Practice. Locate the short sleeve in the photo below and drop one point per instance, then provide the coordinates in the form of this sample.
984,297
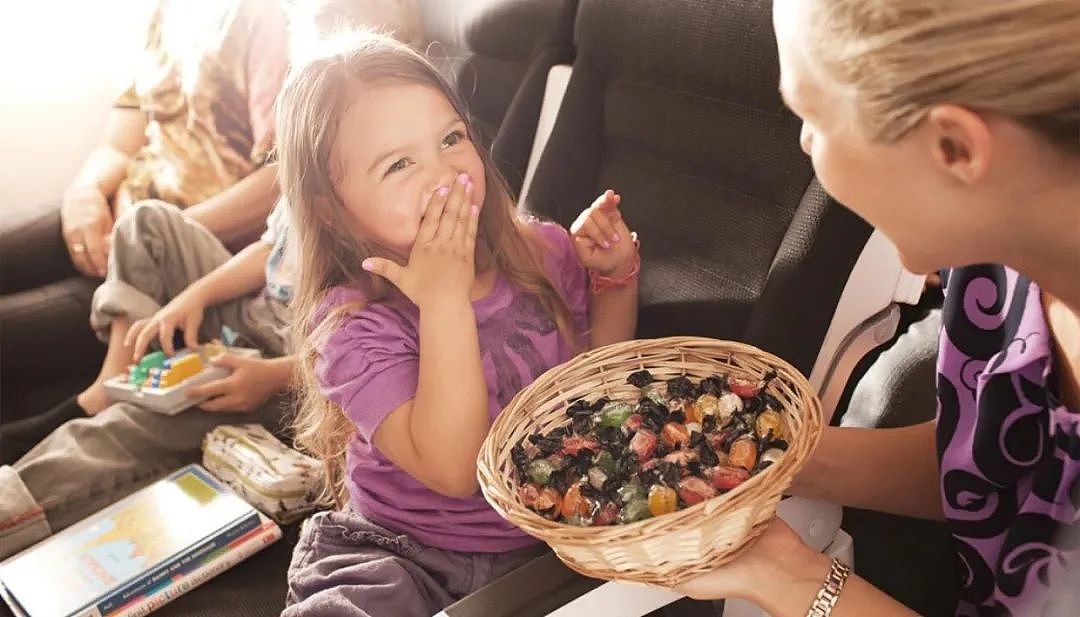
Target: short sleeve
568,274
276,223
369,366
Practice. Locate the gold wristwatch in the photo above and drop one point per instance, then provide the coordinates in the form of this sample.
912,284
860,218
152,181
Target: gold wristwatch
830,591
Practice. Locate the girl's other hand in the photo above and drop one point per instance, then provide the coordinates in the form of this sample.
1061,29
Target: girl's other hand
252,382
441,265
602,240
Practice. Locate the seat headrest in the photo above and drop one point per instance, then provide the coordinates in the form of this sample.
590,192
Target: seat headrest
510,30
717,48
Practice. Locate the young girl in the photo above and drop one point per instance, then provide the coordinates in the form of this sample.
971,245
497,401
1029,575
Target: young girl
954,126
425,304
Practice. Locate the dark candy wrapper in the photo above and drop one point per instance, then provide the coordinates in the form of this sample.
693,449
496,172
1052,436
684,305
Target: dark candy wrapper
681,387
627,461
640,379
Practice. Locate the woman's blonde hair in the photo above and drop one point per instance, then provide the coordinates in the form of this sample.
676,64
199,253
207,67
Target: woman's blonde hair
1017,58
311,105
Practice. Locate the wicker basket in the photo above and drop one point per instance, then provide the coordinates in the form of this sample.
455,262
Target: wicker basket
669,549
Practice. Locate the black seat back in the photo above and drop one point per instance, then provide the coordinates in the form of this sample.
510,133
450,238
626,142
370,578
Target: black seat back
676,106
498,52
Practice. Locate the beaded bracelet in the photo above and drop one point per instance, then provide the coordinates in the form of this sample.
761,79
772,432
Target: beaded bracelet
600,283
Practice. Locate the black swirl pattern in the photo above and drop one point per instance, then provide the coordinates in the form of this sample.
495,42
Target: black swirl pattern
977,297
1009,451
981,509
948,415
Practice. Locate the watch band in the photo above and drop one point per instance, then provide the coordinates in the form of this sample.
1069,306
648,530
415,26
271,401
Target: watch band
829,593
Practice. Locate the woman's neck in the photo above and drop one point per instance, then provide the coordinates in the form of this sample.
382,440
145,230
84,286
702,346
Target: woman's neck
1045,246
1064,326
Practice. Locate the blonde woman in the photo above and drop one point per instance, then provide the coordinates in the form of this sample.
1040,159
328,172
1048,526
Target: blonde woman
954,127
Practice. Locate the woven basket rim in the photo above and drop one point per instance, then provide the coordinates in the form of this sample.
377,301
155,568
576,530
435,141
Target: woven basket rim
733,517
769,472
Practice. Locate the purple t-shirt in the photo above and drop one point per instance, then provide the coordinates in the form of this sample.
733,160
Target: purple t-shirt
369,367
1009,449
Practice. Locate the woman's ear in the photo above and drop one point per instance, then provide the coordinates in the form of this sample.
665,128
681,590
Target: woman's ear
961,142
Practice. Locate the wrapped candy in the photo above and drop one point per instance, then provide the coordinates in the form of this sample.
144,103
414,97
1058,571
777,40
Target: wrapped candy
681,457
728,405
674,435
643,445
540,471
745,388
695,490
771,456
726,478
615,414
574,504
574,444
605,461
662,499
637,510
597,478
705,405
743,453
606,514
769,424
677,444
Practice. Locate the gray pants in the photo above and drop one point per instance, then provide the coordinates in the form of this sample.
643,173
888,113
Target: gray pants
347,566
92,462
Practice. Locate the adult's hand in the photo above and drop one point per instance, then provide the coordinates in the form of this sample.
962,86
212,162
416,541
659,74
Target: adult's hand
87,222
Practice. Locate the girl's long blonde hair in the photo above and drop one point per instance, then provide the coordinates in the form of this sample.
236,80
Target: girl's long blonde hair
312,103
1017,58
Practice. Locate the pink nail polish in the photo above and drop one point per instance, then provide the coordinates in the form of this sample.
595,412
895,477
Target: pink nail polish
617,238
366,265
606,244
443,191
475,209
463,178
469,187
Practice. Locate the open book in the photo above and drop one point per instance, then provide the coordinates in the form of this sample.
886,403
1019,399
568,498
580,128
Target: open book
118,559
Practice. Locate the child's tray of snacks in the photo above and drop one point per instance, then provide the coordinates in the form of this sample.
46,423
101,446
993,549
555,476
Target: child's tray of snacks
160,382
651,460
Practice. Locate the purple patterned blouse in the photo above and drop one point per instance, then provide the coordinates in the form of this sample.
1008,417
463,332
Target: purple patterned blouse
1009,449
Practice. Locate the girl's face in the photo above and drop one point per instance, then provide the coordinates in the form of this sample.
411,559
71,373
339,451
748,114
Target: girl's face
396,145
906,189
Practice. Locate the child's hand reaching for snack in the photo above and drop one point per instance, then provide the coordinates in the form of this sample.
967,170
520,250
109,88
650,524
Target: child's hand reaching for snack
603,242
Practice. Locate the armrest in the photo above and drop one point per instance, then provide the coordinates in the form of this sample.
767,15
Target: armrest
535,589
545,586
866,316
